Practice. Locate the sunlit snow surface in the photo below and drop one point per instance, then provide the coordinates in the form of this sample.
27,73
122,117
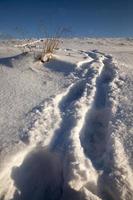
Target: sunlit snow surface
66,129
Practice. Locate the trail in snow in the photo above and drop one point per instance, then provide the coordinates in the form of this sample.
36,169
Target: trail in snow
72,152
94,135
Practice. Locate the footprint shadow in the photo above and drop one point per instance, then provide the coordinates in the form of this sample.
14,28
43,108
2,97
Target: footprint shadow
39,177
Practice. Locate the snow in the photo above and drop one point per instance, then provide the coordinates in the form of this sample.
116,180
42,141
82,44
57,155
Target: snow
66,125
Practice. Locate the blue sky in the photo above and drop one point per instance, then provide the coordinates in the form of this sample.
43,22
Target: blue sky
95,18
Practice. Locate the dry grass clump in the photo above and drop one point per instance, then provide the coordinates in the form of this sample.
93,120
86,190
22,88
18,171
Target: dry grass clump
50,45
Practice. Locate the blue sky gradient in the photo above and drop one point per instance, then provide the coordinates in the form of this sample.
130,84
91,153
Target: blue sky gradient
92,18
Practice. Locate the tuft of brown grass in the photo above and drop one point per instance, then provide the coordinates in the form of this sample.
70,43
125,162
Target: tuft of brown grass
51,44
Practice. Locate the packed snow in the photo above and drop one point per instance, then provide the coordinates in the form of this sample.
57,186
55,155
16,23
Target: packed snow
66,130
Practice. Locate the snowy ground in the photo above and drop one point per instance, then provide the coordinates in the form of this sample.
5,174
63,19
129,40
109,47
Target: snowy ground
66,130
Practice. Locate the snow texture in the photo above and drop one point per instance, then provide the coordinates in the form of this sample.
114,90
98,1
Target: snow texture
66,125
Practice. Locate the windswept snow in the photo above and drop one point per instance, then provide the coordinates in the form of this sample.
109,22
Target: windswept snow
66,125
